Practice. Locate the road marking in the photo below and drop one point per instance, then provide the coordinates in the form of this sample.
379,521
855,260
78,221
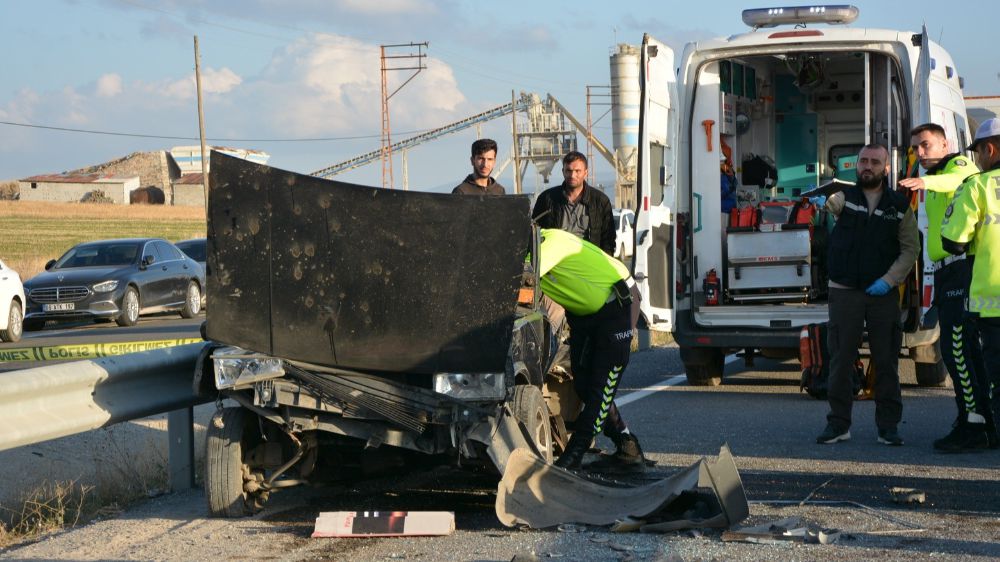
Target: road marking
87,350
659,387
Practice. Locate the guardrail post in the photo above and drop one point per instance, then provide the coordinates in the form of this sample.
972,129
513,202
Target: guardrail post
180,432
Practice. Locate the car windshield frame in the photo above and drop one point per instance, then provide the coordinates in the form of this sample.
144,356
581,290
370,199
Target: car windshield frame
110,254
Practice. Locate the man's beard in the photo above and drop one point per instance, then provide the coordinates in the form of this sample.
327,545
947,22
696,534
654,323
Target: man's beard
875,180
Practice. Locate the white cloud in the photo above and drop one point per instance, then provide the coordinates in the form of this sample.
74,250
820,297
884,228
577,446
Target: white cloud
109,85
328,83
212,82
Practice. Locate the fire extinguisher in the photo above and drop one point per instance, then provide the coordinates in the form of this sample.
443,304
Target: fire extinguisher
711,288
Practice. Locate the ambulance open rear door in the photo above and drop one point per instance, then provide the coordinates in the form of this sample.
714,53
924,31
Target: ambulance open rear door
655,228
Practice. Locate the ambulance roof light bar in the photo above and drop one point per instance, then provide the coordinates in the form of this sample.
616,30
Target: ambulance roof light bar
800,15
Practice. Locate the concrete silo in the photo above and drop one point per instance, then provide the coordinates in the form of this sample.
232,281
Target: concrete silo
625,120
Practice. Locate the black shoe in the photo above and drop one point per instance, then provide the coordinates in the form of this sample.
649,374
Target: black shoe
572,457
833,434
965,437
890,437
627,457
993,441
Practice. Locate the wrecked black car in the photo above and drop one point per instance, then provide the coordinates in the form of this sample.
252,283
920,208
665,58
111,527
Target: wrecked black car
350,321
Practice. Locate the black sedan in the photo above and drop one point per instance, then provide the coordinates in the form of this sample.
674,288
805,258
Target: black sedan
115,280
196,249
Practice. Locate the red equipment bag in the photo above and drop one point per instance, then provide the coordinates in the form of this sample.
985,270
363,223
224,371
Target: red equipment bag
743,217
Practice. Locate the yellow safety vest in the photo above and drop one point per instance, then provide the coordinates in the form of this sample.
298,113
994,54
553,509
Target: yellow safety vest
575,273
974,217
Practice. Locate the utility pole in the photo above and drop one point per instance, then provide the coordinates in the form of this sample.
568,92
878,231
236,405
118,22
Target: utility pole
591,122
201,125
386,61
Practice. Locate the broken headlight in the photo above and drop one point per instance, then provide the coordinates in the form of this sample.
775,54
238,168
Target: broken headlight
238,367
479,386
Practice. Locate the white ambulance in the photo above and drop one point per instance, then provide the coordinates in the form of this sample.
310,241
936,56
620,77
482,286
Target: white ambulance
790,103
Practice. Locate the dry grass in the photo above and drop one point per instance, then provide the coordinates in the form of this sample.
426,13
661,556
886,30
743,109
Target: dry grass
128,468
49,507
31,233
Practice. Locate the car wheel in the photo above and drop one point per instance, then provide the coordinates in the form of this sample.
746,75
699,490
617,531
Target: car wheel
130,308
703,365
229,442
192,301
14,324
530,409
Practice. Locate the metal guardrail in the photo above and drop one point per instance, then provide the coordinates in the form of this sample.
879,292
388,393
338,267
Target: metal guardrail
59,400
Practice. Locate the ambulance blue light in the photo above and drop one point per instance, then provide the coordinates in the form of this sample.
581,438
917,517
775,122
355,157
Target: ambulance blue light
795,15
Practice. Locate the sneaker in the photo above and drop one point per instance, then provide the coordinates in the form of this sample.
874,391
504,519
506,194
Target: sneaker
833,434
889,437
627,457
965,437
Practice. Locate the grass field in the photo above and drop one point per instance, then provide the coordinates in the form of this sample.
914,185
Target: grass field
33,233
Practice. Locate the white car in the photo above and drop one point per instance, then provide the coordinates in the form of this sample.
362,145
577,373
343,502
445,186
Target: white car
11,304
624,239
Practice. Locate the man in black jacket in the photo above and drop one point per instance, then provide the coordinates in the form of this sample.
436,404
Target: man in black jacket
872,249
577,207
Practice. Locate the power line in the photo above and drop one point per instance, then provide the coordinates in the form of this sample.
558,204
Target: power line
215,139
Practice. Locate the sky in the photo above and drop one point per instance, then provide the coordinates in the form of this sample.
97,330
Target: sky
300,79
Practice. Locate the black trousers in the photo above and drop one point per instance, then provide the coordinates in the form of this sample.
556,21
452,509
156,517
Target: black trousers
600,344
961,349
851,311
989,329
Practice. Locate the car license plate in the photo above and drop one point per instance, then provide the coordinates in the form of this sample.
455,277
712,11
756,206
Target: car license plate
58,306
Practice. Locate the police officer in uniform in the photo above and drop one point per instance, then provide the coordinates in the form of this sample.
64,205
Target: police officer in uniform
959,338
602,306
872,248
973,220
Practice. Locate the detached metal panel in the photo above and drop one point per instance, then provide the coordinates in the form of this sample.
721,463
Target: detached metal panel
361,277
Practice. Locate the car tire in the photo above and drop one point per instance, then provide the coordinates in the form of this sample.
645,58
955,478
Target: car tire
15,324
192,301
530,409
228,443
130,308
32,325
703,365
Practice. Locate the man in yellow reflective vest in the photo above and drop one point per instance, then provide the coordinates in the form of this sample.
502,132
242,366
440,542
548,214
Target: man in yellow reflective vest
602,306
959,340
972,221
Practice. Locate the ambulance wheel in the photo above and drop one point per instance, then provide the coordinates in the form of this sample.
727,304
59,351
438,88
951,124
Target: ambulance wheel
703,365
928,365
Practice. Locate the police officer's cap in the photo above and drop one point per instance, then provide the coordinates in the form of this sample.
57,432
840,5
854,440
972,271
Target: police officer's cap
989,128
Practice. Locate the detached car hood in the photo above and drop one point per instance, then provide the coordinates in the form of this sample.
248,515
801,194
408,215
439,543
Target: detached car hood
360,277
72,276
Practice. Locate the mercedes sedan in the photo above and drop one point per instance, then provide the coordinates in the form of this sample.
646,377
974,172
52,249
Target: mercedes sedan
115,280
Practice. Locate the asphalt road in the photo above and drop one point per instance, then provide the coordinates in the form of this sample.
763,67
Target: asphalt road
759,412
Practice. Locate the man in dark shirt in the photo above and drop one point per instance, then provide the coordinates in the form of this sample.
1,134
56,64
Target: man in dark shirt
577,207
479,182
